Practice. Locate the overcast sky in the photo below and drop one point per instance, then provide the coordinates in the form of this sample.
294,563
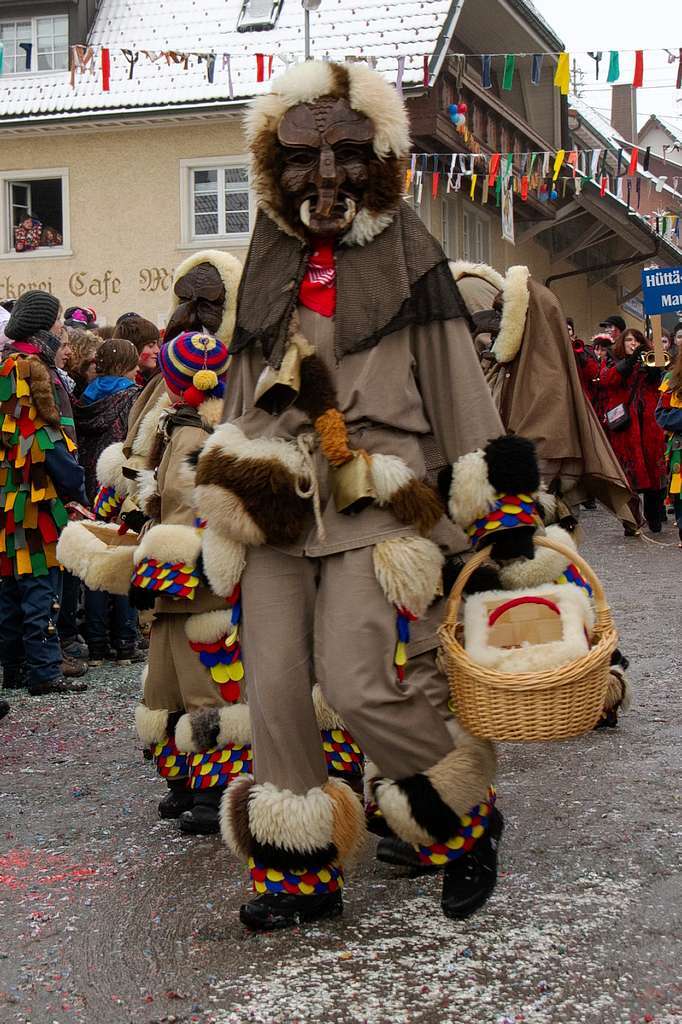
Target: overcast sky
623,25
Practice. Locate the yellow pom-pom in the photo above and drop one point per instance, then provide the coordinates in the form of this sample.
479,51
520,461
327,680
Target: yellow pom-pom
205,380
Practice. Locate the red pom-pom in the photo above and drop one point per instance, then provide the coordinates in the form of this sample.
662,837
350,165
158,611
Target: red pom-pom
192,396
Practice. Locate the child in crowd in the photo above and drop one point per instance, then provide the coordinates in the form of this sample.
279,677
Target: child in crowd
146,338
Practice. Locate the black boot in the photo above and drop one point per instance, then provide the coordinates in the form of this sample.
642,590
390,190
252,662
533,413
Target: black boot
275,910
58,686
202,818
178,799
469,881
4,708
392,850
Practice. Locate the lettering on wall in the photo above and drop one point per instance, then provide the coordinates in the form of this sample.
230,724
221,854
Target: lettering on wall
82,284
11,289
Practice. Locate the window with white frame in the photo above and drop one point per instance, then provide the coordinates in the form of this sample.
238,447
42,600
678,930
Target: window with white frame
217,201
475,237
35,44
258,15
33,212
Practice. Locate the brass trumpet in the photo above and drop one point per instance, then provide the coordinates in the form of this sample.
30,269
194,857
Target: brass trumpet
648,359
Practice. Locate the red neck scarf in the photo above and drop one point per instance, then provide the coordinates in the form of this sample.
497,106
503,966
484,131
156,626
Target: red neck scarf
318,287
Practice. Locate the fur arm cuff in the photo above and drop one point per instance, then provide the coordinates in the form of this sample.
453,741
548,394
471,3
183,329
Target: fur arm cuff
247,490
170,544
110,469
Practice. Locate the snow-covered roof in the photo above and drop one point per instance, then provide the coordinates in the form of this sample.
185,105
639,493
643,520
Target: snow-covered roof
673,130
339,28
596,122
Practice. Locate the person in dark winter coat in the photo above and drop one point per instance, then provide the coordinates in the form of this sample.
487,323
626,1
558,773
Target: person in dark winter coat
39,476
101,419
630,394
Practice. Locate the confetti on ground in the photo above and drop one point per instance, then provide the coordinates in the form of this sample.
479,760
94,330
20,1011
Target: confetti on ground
110,916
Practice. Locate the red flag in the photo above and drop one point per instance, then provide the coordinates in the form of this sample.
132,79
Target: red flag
524,187
426,71
494,168
602,187
260,67
434,184
638,80
632,167
106,68
270,66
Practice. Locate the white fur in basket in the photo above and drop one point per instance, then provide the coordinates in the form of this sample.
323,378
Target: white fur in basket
529,635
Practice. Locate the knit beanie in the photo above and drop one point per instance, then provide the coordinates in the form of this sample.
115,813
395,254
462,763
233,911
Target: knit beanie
34,311
192,366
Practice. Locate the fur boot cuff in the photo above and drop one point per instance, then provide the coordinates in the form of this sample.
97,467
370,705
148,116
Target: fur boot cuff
286,830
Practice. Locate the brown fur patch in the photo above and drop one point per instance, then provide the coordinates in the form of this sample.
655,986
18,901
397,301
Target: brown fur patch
265,488
348,823
317,393
385,185
418,505
340,80
237,812
615,692
42,393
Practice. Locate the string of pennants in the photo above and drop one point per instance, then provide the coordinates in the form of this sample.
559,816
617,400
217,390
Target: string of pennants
540,174
84,58
562,74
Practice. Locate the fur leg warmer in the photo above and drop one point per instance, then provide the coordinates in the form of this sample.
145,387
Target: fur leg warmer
427,808
218,742
156,728
285,830
342,754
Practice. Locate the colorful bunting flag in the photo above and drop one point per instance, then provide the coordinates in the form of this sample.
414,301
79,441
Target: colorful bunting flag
638,78
562,77
614,67
508,76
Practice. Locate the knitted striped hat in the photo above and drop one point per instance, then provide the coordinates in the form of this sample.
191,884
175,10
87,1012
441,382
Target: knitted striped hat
193,365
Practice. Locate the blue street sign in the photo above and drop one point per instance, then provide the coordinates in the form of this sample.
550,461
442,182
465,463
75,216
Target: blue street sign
662,289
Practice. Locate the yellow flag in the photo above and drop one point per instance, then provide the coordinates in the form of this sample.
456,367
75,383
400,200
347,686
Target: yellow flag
474,179
558,163
562,77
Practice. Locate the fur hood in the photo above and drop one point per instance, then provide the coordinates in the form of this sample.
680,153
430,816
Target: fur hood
230,270
515,300
462,268
369,94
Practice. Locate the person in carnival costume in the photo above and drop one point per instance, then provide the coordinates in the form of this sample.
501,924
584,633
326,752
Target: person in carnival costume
351,357
530,366
669,418
39,477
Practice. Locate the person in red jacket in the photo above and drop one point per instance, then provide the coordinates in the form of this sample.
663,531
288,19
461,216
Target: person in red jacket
629,393
587,362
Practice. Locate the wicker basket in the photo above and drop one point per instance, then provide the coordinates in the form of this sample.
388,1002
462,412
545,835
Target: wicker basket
556,704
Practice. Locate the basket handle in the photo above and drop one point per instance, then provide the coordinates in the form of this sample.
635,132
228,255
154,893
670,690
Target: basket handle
455,598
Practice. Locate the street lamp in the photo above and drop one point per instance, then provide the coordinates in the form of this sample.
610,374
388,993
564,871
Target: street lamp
308,6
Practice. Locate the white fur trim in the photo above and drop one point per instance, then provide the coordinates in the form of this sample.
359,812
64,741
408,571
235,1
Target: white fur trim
211,411
230,440
366,226
170,543
109,469
514,311
471,494
576,617
151,726
301,823
395,807
101,559
389,474
224,561
326,717
462,268
146,489
230,270
208,627
227,518
409,571
548,504
546,567
149,424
